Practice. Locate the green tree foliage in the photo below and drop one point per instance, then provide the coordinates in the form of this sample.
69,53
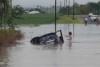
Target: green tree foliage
37,9
64,10
4,5
7,13
90,7
17,11
82,9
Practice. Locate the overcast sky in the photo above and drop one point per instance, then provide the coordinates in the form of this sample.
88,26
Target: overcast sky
34,3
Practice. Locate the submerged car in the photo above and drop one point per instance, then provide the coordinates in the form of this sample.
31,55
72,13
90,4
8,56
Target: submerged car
49,38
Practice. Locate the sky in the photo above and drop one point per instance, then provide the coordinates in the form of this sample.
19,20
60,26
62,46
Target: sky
46,3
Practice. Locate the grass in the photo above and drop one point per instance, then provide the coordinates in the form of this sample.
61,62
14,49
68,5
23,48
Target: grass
46,19
69,19
35,19
9,36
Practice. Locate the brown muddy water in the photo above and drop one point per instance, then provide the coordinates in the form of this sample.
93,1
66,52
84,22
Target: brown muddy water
84,52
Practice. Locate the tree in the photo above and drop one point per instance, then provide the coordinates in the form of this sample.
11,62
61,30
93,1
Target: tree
94,7
16,12
84,9
63,10
40,10
4,5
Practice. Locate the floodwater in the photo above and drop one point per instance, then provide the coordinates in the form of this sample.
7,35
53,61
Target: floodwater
84,52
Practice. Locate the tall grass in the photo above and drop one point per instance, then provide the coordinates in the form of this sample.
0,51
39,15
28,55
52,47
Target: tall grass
9,36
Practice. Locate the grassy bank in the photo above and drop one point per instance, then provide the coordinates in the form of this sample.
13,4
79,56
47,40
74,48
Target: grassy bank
35,19
46,19
69,19
9,36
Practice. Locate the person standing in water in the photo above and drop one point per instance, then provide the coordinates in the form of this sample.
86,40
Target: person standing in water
85,22
69,39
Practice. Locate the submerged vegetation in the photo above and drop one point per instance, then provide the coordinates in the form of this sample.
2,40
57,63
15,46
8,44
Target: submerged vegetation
9,36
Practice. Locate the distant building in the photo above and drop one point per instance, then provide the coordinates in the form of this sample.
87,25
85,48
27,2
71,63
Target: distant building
33,12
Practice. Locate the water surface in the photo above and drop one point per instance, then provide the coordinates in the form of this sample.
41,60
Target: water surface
84,52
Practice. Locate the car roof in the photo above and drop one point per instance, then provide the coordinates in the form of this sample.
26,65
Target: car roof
48,34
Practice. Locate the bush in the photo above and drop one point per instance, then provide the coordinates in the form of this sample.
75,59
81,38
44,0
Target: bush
9,36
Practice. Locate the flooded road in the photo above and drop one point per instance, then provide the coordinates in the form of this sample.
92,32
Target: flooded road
84,52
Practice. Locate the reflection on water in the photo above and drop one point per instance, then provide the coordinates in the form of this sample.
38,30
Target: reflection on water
84,51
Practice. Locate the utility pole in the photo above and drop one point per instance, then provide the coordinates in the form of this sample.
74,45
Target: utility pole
10,2
73,15
10,9
1,12
68,7
64,3
73,9
55,16
60,5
